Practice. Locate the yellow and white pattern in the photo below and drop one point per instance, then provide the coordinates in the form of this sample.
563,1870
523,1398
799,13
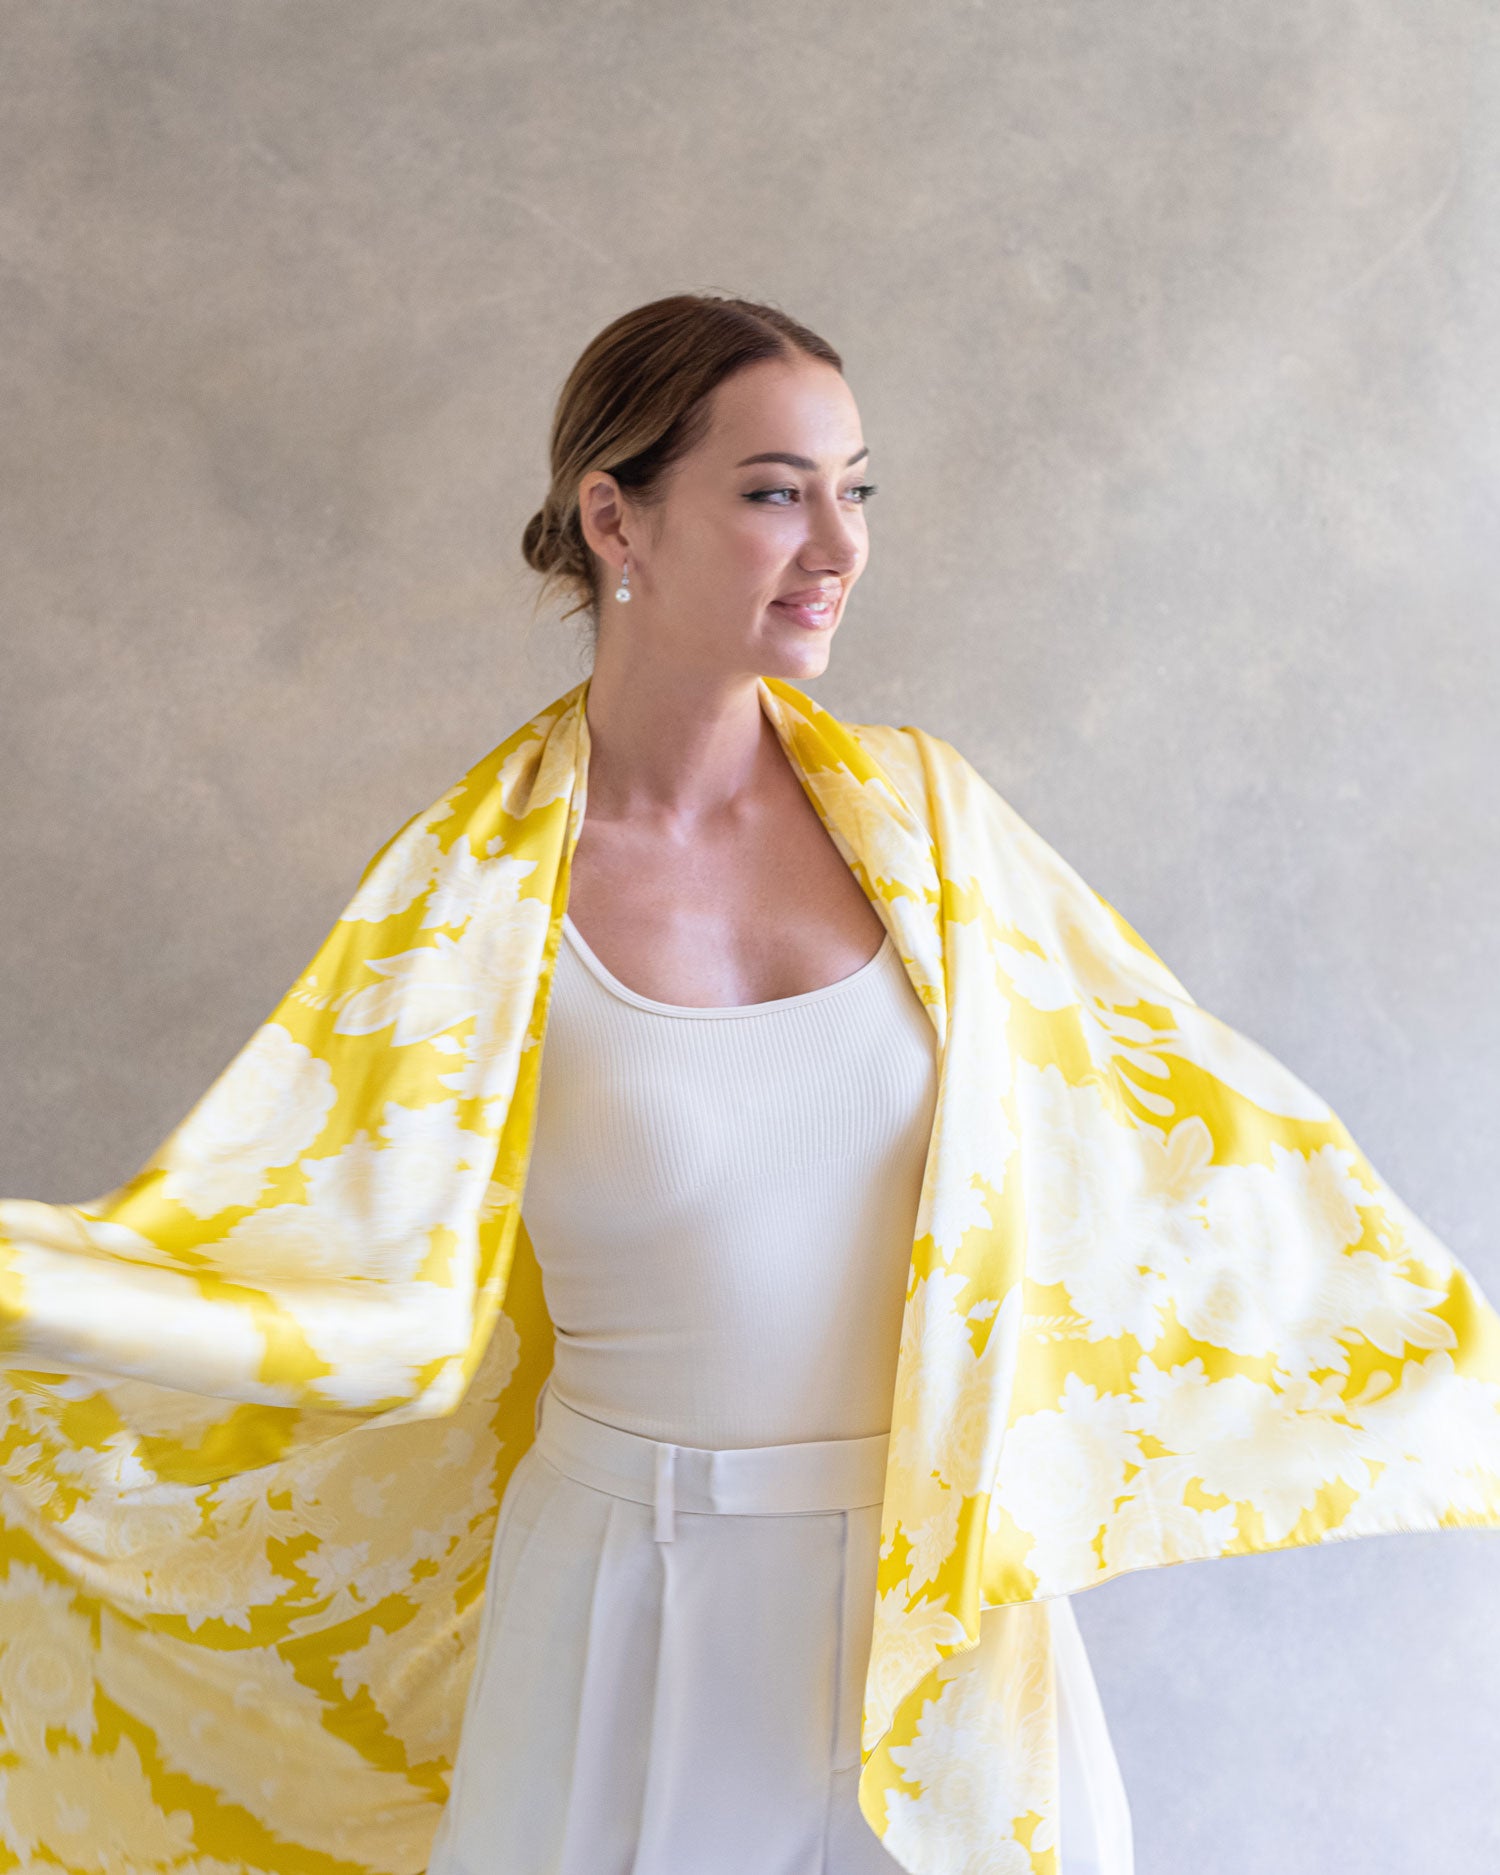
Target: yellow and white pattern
261,1402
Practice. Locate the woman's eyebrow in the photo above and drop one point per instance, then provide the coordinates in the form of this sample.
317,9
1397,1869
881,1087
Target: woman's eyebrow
798,462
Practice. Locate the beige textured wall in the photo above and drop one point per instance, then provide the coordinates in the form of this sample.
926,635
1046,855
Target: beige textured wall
1176,334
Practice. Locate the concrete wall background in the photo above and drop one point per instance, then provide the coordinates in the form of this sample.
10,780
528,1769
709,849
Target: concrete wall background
1176,335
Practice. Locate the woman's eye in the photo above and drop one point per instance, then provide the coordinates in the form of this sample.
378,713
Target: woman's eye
863,489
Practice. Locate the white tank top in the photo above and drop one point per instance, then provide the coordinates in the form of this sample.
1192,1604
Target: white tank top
722,1201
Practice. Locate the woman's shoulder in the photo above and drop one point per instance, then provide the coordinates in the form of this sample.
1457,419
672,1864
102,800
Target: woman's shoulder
914,758
926,769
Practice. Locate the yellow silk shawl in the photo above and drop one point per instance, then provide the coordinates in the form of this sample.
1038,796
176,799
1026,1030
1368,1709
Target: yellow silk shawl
261,1401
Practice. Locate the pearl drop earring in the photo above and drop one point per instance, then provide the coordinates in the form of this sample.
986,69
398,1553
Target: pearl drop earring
622,591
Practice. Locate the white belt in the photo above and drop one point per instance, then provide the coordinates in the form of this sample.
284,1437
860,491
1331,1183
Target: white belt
751,1480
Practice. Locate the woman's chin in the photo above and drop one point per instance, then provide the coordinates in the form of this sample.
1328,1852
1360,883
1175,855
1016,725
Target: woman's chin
804,655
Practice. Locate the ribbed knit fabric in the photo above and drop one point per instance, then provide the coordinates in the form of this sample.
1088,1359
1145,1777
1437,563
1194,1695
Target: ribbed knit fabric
722,1202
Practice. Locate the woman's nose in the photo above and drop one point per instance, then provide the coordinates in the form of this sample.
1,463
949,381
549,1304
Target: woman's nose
832,545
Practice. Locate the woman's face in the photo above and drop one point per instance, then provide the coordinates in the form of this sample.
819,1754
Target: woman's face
712,569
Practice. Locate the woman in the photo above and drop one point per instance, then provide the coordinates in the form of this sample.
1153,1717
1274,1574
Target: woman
911,1251
735,1104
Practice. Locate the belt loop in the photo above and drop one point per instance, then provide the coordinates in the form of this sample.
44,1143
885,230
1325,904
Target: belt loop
666,1470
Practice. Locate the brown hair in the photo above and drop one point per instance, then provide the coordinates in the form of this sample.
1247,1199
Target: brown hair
635,402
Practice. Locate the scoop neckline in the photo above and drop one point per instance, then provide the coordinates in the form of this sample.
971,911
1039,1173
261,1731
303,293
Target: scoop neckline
719,1010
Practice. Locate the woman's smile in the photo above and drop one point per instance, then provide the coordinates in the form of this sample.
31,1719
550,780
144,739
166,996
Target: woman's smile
813,614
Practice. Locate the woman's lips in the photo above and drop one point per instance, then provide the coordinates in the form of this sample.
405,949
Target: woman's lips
814,617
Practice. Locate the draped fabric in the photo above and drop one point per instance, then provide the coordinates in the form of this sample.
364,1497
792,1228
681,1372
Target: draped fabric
261,1401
